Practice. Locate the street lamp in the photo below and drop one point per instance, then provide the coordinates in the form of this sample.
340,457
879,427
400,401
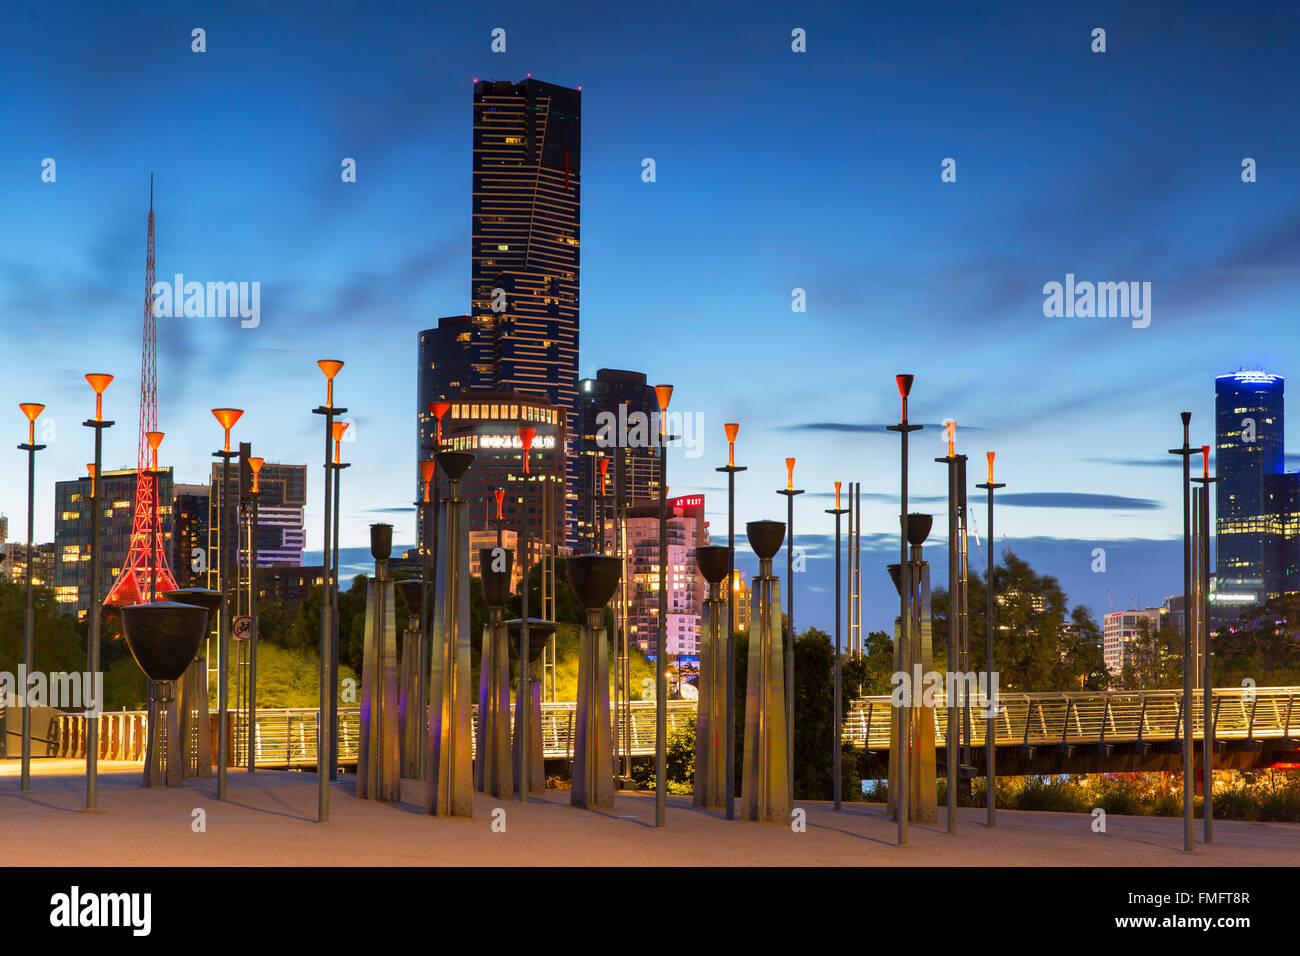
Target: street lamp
32,411
336,431
325,735
1203,613
255,494
990,705
226,417
99,381
904,592
790,491
732,429
524,690
1188,666
664,394
837,722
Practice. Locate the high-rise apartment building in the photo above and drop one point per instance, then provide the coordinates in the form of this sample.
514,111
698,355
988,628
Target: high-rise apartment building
189,558
1120,629
686,530
281,534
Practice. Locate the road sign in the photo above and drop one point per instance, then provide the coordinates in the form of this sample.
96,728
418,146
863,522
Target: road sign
241,626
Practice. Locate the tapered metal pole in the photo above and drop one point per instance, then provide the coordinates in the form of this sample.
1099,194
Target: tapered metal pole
524,691
96,621
327,692
1188,665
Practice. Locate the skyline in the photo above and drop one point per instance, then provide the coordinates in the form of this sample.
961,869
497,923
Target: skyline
393,248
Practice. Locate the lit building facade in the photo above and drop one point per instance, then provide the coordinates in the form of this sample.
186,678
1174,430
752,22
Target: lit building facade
522,331
72,533
1255,500
486,424
615,421
189,557
1121,629
281,534
686,588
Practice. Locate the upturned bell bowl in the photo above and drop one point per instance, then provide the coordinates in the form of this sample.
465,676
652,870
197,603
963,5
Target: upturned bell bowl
714,561
765,537
594,578
164,636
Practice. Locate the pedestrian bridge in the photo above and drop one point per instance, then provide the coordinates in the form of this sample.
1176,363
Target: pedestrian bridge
1074,732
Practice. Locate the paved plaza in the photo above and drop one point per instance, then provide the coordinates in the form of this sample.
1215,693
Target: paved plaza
269,819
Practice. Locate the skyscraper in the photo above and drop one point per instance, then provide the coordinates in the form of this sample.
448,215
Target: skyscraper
1255,541
522,331
610,408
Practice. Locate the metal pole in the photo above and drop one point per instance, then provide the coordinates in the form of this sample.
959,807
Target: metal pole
252,637
732,430
326,629
1207,682
95,613
990,720
223,635
333,722
837,725
661,645
29,624
902,803
789,491
525,690
1188,665
954,633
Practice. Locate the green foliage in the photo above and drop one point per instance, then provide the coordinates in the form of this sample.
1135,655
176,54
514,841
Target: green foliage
1032,650
1156,660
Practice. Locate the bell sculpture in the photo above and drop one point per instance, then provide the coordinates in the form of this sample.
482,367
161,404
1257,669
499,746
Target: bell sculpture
449,769
195,724
765,790
594,578
711,709
164,637
493,766
914,657
378,748
408,690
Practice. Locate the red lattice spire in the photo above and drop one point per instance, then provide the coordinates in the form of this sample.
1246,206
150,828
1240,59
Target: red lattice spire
148,554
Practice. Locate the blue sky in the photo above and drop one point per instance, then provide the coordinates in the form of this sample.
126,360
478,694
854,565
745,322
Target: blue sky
775,171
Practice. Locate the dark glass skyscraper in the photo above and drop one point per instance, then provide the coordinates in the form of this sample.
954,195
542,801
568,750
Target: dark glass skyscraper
522,331
1254,498
608,410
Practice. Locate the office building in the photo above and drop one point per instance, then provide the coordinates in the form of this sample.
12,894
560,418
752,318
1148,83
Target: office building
281,533
617,420
521,334
1121,629
189,558
72,533
1256,546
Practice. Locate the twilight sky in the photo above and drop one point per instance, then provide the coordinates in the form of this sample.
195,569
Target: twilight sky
775,171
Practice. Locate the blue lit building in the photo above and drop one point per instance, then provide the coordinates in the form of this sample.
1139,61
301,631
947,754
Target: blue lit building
1256,540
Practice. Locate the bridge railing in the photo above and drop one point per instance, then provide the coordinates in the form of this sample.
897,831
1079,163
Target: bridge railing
1073,718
